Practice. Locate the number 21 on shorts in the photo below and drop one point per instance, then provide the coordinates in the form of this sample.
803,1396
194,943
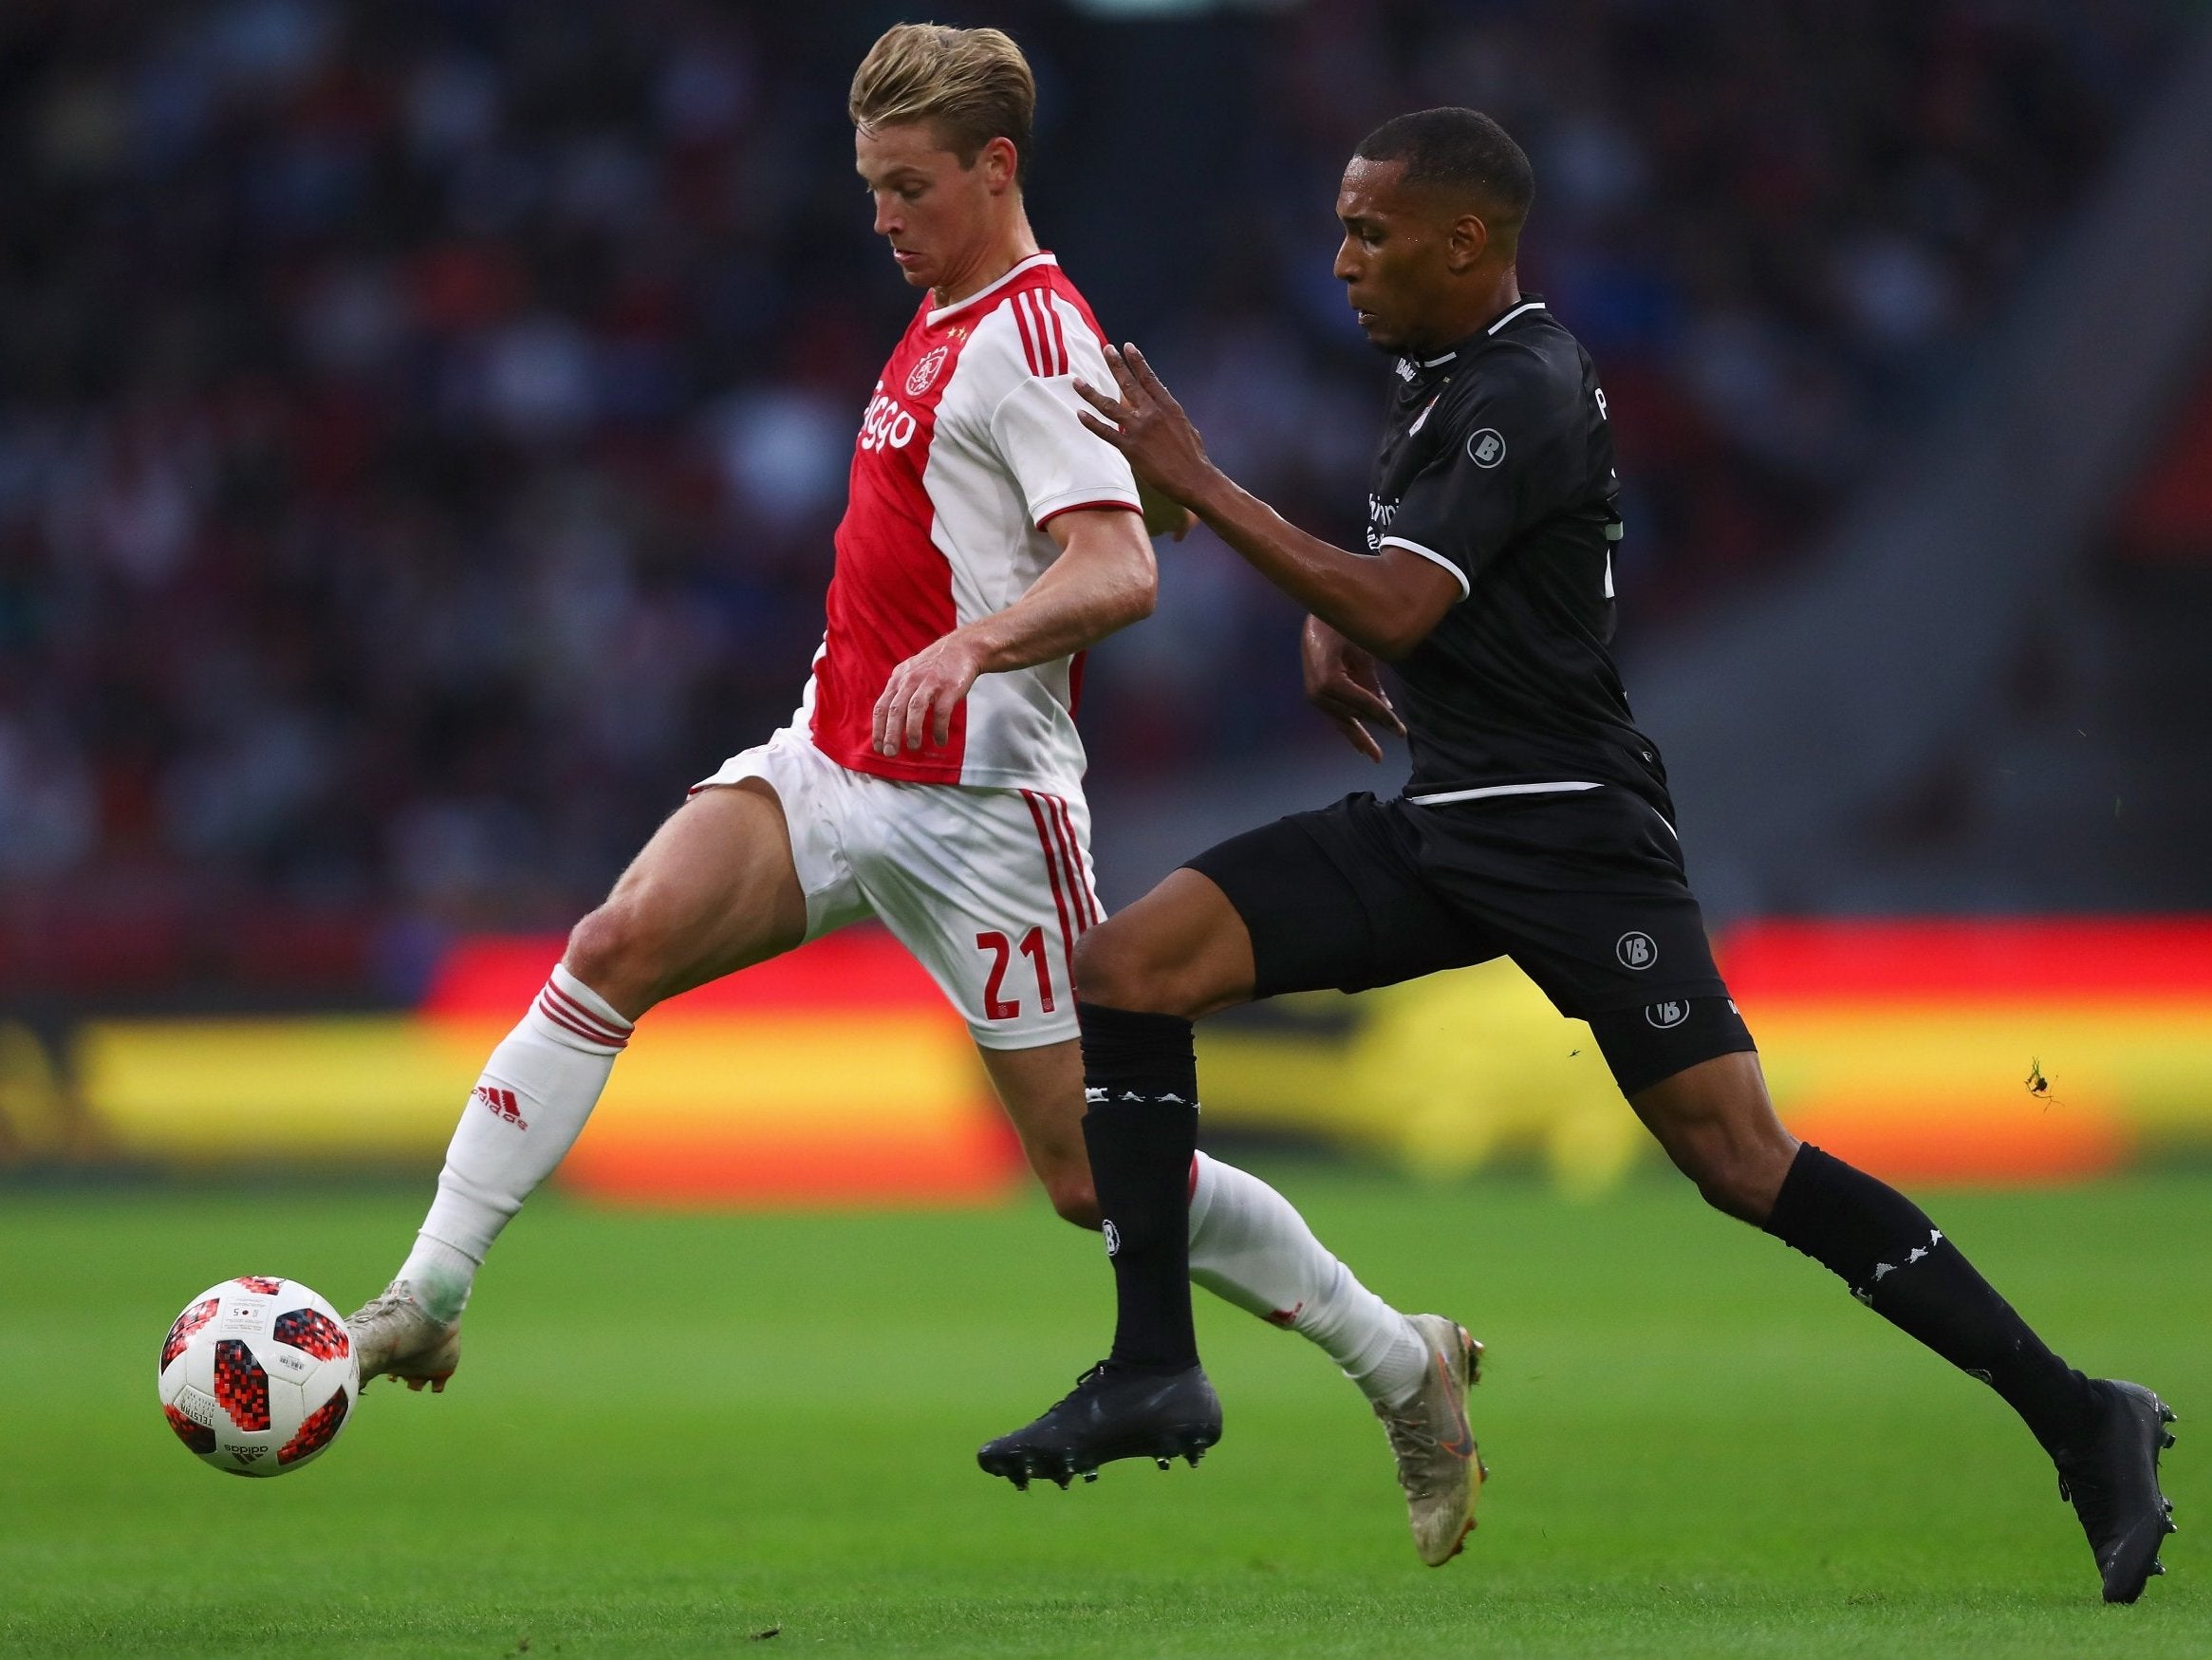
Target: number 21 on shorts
1002,949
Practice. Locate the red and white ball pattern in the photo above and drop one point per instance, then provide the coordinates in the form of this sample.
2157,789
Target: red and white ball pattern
257,1375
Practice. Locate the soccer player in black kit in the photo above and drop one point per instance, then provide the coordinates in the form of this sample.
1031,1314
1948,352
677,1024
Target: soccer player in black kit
1536,825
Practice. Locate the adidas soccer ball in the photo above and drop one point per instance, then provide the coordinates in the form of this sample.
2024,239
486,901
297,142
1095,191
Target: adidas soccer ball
257,1375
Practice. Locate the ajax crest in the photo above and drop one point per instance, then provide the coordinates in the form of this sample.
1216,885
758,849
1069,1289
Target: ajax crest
924,375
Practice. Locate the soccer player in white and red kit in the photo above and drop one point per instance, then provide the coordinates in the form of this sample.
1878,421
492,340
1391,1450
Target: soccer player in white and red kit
932,778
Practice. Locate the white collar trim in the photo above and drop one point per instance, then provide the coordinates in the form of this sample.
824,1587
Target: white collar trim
1524,306
1029,264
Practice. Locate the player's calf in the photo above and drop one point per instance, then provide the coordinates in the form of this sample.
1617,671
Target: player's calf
1075,1200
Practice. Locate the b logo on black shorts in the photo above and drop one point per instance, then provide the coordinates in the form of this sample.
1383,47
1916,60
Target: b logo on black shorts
1637,950
1667,1014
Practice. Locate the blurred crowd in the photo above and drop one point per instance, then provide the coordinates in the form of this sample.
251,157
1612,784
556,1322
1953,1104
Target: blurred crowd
422,421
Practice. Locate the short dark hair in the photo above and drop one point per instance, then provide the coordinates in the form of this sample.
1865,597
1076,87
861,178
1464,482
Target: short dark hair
1459,149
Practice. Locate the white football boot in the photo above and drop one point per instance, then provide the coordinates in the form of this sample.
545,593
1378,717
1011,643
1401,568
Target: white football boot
394,1335
1438,1464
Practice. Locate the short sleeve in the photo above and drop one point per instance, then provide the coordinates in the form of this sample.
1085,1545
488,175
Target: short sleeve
1059,464
1482,486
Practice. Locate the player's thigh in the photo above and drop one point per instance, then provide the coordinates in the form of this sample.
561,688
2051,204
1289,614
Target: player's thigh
1589,892
990,890
1042,1092
714,890
1182,949
1328,900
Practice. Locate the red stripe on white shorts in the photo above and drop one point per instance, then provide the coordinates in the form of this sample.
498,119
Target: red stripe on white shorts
1046,840
1071,855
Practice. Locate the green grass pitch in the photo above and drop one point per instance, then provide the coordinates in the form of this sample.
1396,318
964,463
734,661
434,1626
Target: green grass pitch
677,1434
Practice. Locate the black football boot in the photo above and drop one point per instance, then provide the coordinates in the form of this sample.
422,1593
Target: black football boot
2111,1477
1114,1413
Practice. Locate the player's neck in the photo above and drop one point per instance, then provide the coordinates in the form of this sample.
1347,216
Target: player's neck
1482,306
1012,244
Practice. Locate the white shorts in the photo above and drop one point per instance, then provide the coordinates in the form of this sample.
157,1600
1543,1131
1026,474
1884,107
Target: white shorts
989,888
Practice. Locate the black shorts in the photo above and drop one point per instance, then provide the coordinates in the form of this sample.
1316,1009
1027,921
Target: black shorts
1584,891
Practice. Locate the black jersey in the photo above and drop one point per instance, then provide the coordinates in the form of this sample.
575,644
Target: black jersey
1498,464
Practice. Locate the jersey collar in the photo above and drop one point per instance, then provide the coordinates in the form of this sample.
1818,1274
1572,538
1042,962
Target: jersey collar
1412,371
1031,262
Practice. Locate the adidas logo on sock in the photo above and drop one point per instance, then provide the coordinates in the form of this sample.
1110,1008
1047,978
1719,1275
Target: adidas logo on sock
503,1103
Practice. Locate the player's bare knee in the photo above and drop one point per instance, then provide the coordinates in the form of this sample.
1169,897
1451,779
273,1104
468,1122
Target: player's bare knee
1101,972
1730,1198
614,950
1742,1165
1116,972
1733,1179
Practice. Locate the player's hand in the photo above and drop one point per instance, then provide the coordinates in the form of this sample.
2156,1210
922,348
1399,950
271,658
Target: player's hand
1148,426
1346,684
922,693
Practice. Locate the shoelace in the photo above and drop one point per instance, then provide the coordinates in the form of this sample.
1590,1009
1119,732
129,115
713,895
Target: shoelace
386,1306
2092,1492
1409,1440
388,1316
1081,1383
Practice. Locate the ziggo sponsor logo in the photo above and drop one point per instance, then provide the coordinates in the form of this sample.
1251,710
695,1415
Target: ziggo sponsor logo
886,426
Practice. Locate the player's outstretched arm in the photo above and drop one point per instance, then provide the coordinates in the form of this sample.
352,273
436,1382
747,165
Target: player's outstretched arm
1385,604
1105,578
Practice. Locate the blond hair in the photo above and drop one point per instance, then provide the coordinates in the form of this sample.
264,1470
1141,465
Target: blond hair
971,84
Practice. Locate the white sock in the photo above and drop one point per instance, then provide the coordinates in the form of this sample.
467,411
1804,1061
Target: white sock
439,1276
522,1118
1249,1247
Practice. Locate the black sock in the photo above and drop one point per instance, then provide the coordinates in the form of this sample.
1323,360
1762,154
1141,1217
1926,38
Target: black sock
1900,1265
1140,1077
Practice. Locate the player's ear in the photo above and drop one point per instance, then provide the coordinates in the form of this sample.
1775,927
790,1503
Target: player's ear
1466,243
1001,164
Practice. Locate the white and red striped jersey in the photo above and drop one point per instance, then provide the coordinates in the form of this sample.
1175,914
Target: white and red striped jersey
968,449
